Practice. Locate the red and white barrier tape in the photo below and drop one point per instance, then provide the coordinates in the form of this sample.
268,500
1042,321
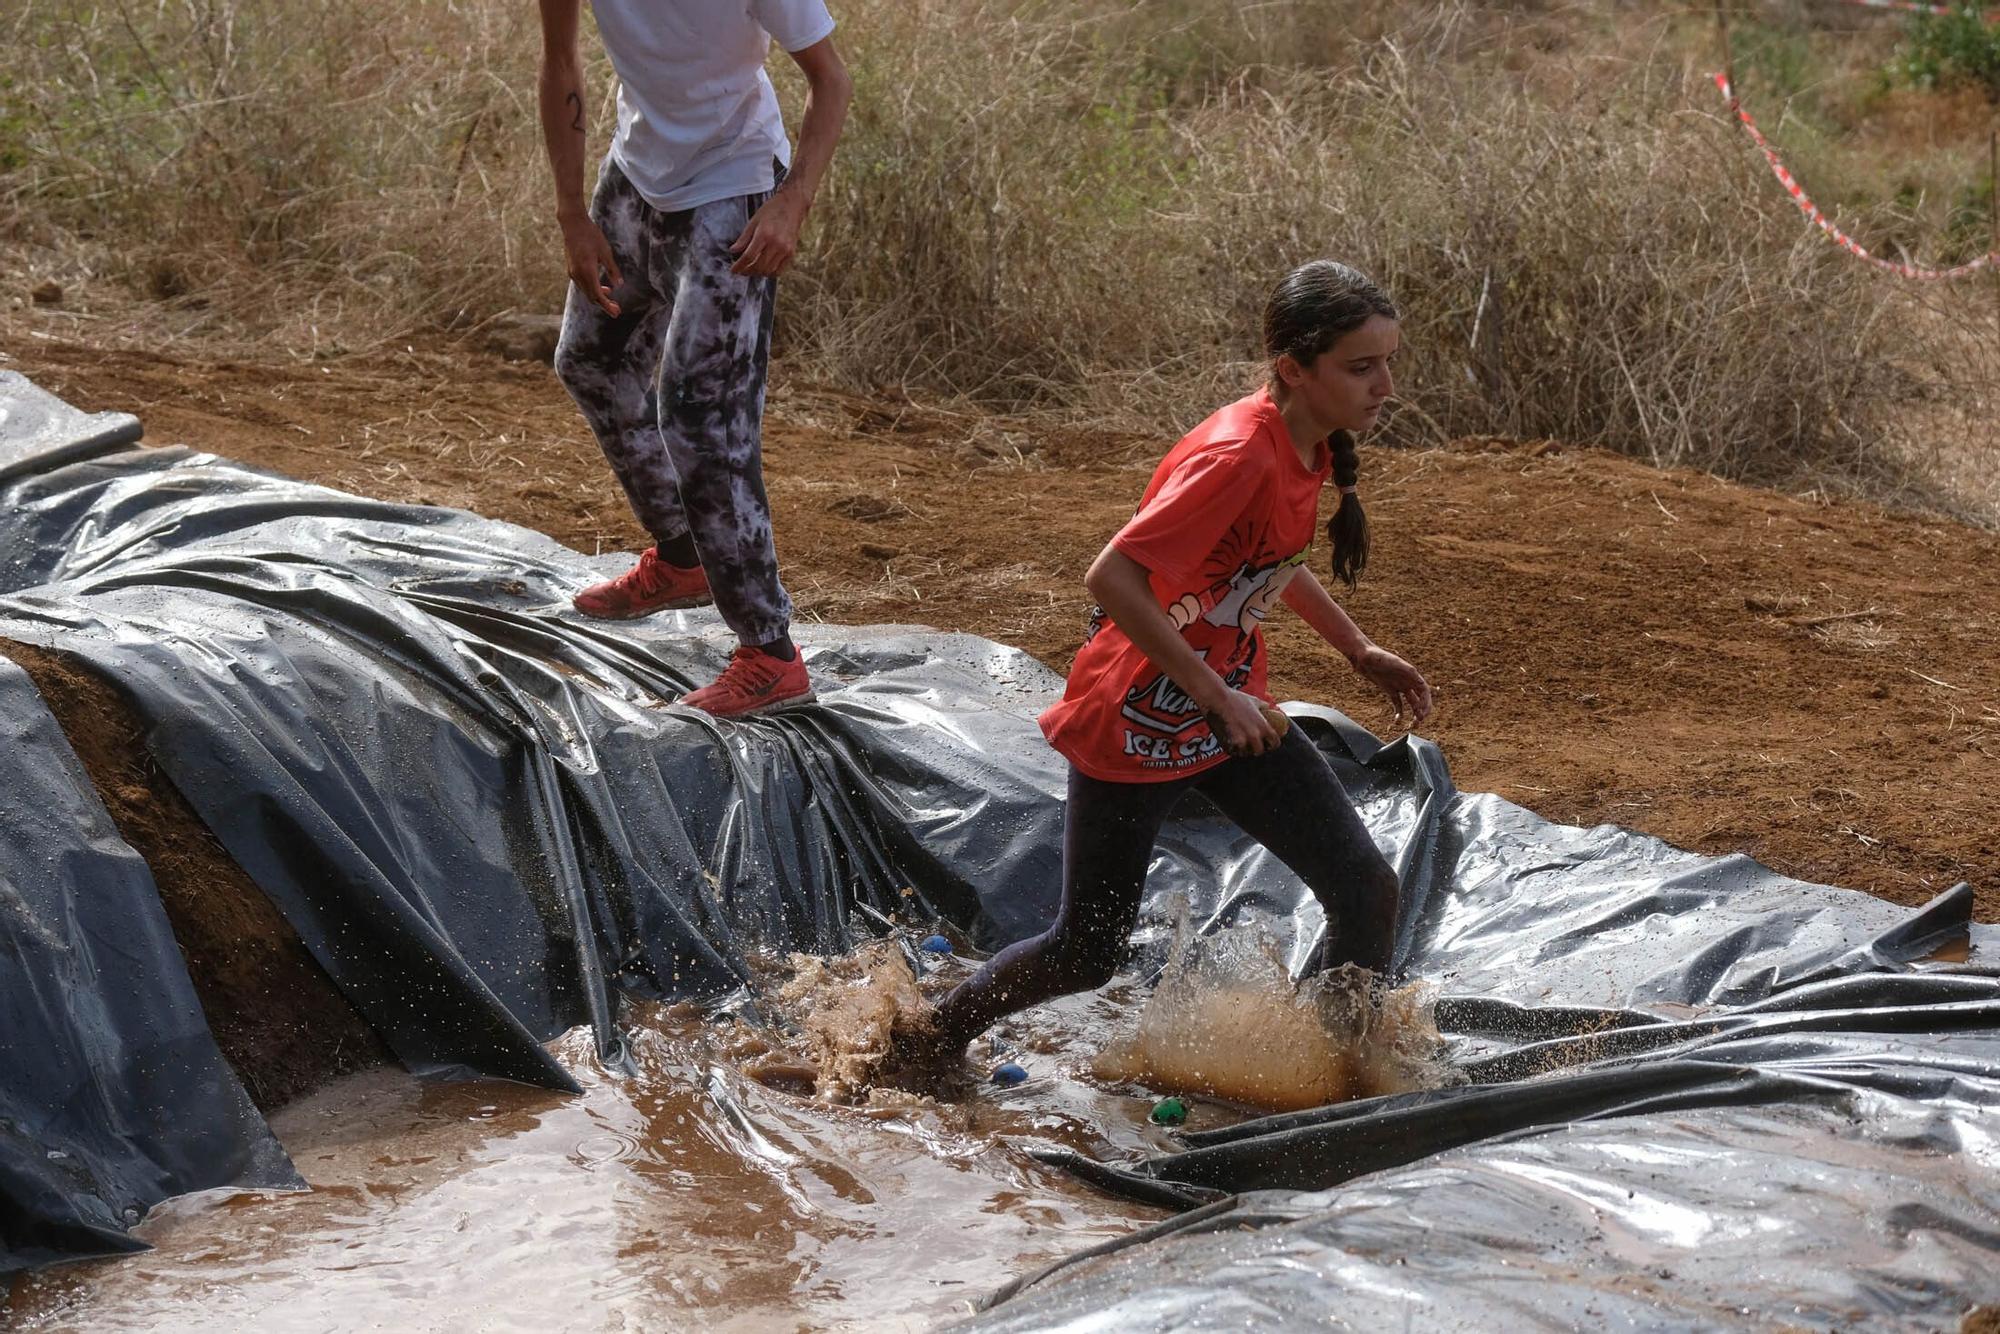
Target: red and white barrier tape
1824,223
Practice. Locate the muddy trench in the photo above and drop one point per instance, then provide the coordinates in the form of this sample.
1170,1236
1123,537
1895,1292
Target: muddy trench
283,1026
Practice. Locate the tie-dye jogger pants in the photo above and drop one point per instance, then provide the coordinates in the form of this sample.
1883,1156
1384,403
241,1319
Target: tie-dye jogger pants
673,388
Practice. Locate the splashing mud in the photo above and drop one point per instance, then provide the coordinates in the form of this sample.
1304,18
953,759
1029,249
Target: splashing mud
703,1187
1227,1022
846,1010
684,1195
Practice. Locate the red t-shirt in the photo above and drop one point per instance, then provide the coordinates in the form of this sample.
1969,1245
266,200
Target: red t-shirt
1223,527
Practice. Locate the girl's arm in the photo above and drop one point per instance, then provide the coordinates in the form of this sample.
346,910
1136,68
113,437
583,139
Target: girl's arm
1121,586
1305,595
1403,684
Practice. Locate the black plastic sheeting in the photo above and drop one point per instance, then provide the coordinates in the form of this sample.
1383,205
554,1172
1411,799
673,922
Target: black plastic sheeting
478,815
39,431
1842,1182
472,806
1700,1094
113,1095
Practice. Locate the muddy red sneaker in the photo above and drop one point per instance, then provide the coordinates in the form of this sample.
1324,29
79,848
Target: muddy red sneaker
754,682
651,585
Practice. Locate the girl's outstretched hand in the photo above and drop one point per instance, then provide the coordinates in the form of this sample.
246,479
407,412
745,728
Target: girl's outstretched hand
1403,684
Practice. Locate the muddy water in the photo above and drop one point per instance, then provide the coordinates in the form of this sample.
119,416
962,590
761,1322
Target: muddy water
742,1177
1225,1021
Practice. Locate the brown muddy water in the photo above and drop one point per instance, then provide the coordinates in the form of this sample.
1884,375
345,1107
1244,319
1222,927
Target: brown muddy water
720,1184
1225,1022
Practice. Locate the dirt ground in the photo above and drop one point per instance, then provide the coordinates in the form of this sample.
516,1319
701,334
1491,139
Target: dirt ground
1730,669
275,1014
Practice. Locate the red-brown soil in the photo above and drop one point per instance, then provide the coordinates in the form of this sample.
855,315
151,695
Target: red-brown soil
276,1016
1728,668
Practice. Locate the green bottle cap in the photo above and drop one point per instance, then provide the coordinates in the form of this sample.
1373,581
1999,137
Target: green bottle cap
1169,1112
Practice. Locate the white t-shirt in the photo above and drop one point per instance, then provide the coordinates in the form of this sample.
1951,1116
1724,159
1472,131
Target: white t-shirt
698,119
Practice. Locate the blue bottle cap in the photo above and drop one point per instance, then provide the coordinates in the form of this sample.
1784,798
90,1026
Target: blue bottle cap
1008,1072
935,945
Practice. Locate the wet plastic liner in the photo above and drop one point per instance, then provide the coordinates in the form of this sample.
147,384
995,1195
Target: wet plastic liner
113,1095
1698,1093
474,808
481,817
39,431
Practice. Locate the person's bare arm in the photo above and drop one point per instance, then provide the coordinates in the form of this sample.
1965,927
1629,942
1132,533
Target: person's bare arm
1122,587
586,252
771,239
1309,598
1403,684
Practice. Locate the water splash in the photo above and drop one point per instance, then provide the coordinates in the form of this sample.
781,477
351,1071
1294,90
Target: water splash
1227,1022
845,1011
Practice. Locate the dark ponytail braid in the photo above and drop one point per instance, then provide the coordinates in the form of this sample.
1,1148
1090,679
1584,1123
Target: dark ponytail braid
1314,306
1347,529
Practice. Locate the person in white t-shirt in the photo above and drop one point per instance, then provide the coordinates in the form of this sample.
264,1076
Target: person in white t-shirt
673,271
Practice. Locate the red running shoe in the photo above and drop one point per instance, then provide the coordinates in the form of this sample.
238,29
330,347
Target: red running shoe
651,585
754,682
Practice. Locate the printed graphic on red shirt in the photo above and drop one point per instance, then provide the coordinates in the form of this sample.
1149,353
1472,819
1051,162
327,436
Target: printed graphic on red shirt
1239,605
1223,528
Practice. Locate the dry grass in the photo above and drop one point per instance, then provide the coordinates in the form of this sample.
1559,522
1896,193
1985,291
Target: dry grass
1072,205
316,169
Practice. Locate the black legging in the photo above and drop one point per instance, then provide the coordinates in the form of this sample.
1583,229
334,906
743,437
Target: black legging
1287,799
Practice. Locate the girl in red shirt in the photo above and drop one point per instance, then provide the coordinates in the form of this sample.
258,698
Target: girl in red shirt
1168,693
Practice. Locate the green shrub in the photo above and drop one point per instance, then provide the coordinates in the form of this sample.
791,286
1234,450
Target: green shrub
1943,50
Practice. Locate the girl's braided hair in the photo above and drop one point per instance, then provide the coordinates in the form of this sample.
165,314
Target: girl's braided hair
1313,307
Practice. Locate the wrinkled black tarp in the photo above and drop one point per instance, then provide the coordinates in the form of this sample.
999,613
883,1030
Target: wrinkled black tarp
1699,1092
1699,1095
473,809
113,1095
1837,1182
39,431
469,803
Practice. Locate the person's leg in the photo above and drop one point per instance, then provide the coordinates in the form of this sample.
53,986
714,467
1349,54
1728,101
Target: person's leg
1108,833
711,399
1288,800
610,364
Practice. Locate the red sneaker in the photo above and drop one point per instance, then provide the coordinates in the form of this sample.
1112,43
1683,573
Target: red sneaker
651,585
754,682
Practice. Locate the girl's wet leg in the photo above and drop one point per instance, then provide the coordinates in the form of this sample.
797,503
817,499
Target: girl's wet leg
1290,801
1108,834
